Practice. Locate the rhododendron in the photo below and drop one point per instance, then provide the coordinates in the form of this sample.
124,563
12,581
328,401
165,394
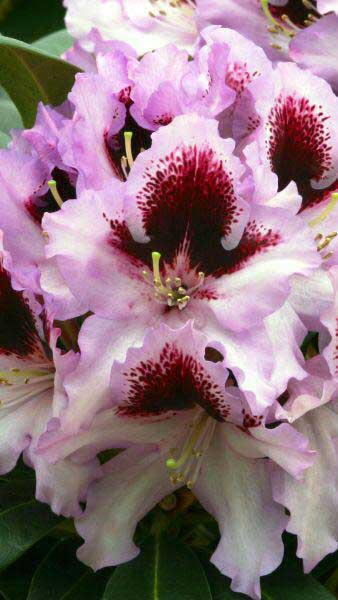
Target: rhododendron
168,282
31,377
210,448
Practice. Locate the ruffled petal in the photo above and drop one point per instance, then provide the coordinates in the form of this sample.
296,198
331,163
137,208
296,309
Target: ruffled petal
237,492
313,501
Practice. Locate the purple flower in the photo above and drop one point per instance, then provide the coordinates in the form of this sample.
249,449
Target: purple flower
183,422
30,390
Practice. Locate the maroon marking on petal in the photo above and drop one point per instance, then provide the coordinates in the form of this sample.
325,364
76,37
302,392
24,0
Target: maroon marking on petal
256,239
121,239
188,201
163,119
297,12
174,382
238,76
312,197
250,420
124,96
38,205
18,334
299,143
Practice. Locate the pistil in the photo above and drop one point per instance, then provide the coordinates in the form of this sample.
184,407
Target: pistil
53,188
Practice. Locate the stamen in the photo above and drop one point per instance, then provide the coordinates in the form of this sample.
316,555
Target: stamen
129,154
23,373
273,21
171,291
327,210
326,241
55,193
193,451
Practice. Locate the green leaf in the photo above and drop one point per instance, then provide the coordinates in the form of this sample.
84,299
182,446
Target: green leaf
9,116
4,139
15,492
91,585
29,20
55,43
30,75
332,583
164,570
16,588
325,566
22,526
57,573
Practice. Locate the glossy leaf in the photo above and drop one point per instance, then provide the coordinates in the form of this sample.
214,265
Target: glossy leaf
30,75
90,585
55,43
29,20
57,573
164,570
13,587
21,526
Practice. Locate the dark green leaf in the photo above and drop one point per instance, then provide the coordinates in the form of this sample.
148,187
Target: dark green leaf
22,526
16,588
164,570
55,43
29,20
15,492
90,585
325,566
57,573
30,75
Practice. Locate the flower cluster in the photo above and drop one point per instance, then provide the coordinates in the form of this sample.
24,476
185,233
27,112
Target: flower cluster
169,280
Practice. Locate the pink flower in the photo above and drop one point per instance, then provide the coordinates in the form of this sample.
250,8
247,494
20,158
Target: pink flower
26,167
183,423
177,241
31,379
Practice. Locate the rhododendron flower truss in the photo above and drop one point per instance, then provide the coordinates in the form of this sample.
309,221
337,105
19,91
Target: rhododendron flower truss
177,241
31,373
185,422
298,136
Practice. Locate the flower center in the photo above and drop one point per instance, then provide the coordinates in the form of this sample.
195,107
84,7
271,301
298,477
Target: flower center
289,17
171,291
186,467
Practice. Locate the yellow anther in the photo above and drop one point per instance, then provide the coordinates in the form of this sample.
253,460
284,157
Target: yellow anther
326,241
273,21
55,193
